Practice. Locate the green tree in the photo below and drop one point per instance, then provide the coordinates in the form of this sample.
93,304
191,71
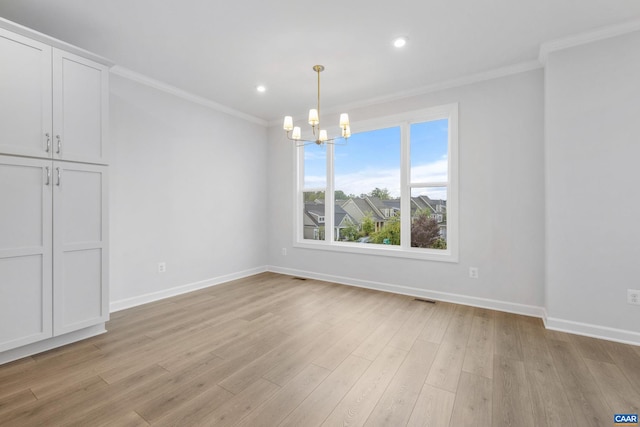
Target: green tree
381,193
312,196
425,232
368,226
350,232
390,232
339,195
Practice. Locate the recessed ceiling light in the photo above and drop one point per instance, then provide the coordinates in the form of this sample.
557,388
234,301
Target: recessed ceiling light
400,42
261,88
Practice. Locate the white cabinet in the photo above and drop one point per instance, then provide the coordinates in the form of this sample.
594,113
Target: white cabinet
56,102
25,251
25,96
53,249
80,108
80,249
53,193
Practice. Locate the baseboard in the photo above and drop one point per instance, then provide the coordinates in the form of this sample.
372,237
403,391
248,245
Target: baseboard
182,289
509,307
593,331
50,343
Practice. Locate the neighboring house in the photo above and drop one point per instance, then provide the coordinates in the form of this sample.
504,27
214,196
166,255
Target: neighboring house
360,207
314,220
381,210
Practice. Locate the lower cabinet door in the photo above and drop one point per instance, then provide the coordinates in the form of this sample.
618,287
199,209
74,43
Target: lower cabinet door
80,246
25,251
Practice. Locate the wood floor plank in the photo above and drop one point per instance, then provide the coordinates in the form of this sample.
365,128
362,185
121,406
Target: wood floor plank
185,387
412,327
473,402
433,408
549,403
375,343
237,407
620,395
285,400
130,419
104,404
319,404
194,410
585,398
437,324
342,348
396,405
511,400
447,366
627,359
296,361
240,379
591,348
478,357
357,404
13,401
508,341
40,411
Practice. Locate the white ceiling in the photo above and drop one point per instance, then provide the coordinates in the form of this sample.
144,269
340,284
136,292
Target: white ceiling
222,50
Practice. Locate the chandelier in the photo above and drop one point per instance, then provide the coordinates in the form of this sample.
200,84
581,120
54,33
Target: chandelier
295,134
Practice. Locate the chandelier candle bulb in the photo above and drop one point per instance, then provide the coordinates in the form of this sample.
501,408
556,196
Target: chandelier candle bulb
346,132
313,117
323,135
297,133
288,123
344,120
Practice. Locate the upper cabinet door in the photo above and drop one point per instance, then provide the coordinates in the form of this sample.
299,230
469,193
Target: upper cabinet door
80,108
25,96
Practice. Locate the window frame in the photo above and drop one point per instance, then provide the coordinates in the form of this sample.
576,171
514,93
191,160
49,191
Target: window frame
404,250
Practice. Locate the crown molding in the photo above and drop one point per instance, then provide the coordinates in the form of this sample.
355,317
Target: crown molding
172,90
585,38
496,73
59,44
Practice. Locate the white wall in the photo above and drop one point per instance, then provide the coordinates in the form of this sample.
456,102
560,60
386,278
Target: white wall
188,187
501,204
593,184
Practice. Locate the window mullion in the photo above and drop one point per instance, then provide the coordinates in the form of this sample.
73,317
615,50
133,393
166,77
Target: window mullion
405,190
329,198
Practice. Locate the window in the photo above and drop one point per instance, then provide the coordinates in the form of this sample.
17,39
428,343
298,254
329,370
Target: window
391,190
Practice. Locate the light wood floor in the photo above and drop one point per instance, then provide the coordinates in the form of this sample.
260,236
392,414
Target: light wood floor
272,350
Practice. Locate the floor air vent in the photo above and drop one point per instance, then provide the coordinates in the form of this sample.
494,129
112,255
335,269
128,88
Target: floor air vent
429,301
298,278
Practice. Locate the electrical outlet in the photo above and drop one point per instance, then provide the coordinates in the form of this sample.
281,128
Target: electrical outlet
284,251
162,267
473,272
633,296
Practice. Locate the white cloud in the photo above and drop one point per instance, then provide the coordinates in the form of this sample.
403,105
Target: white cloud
430,172
364,181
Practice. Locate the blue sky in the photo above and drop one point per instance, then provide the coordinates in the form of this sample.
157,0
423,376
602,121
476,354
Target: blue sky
372,159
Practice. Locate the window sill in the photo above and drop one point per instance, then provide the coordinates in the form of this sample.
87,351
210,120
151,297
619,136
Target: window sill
380,250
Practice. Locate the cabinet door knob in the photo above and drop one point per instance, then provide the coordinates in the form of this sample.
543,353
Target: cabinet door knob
48,142
59,144
48,176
